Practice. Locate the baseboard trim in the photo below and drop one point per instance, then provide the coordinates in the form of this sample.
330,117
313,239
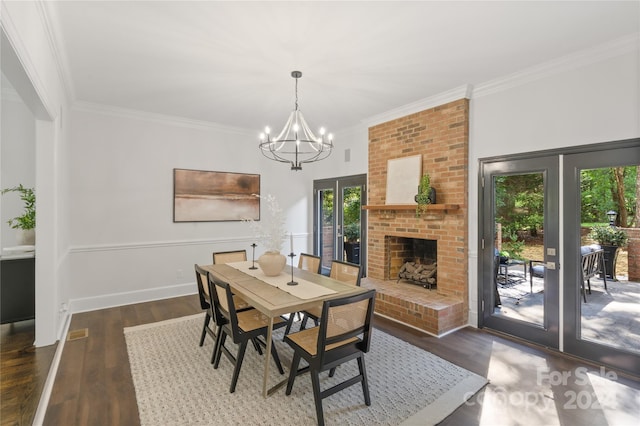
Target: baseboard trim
420,329
87,304
41,411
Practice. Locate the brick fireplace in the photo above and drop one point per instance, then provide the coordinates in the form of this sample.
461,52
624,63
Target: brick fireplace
440,134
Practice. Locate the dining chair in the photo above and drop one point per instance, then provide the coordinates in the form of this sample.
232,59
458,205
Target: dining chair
310,262
229,256
307,262
344,334
239,326
202,281
346,272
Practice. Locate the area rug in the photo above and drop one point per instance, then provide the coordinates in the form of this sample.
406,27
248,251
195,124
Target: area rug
176,384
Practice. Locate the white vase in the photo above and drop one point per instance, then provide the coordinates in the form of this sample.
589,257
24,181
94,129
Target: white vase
272,263
26,237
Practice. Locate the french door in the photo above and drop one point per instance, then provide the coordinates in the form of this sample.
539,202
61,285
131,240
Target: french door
339,221
601,325
519,248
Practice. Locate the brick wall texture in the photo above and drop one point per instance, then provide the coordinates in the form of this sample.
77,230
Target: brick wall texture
634,253
441,135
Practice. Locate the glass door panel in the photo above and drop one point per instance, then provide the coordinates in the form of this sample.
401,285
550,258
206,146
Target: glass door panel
602,324
519,246
327,228
338,220
519,259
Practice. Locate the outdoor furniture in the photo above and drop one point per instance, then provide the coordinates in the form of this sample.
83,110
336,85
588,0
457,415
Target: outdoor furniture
592,263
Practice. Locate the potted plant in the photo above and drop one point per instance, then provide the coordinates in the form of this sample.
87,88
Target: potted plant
25,223
426,194
352,241
610,238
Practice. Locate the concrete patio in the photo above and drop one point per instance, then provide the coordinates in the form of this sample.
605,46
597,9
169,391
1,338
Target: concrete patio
610,317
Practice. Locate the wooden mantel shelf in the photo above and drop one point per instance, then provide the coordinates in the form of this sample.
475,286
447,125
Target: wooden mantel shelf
445,207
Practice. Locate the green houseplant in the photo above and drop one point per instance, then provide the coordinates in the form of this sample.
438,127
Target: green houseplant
423,198
26,222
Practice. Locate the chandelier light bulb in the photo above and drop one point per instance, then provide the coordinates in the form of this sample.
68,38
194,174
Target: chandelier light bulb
267,130
262,137
322,131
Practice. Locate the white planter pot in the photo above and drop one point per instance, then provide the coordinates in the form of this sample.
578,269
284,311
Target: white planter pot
26,237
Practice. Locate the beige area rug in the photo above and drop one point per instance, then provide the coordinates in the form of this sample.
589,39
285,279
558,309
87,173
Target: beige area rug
176,385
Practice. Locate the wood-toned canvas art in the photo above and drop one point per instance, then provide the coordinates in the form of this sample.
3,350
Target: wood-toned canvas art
202,196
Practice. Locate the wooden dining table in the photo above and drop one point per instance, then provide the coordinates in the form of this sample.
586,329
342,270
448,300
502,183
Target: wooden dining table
263,293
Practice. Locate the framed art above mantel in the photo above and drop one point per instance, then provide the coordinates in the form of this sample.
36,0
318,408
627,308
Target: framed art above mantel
206,196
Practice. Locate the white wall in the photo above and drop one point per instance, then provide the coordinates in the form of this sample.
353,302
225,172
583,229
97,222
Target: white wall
30,64
17,145
593,102
124,245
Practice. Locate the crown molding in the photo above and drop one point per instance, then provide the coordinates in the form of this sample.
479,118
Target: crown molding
156,118
49,19
35,94
461,92
575,60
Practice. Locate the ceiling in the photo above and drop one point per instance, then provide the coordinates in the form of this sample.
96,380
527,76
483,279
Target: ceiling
230,62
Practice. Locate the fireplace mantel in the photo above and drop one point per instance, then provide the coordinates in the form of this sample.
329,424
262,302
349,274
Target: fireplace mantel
445,207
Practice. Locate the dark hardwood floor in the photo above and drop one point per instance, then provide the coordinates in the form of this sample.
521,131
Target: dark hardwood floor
528,384
23,372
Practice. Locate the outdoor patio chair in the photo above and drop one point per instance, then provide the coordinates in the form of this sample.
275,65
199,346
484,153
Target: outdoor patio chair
592,263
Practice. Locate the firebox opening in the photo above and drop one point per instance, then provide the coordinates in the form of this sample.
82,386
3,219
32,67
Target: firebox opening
413,260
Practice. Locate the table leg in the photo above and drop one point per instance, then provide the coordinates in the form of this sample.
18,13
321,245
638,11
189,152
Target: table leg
267,358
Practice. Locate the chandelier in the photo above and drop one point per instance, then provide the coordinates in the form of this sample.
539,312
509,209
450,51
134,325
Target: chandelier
296,144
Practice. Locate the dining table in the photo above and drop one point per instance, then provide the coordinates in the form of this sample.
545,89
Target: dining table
276,296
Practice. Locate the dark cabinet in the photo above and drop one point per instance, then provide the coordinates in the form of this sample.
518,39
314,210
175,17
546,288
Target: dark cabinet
18,294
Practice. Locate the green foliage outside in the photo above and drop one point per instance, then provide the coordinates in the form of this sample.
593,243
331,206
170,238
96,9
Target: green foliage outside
608,235
519,207
352,209
599,188
28,219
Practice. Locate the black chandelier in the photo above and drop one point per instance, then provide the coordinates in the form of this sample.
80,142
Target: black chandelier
296,144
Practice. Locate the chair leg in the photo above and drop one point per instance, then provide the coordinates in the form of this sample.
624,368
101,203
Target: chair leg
589,284
295,362
256,345
236,371
207,318
304,321
289,324
584,293
216,344
276,357
332,372
222,336
365,381
315,383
